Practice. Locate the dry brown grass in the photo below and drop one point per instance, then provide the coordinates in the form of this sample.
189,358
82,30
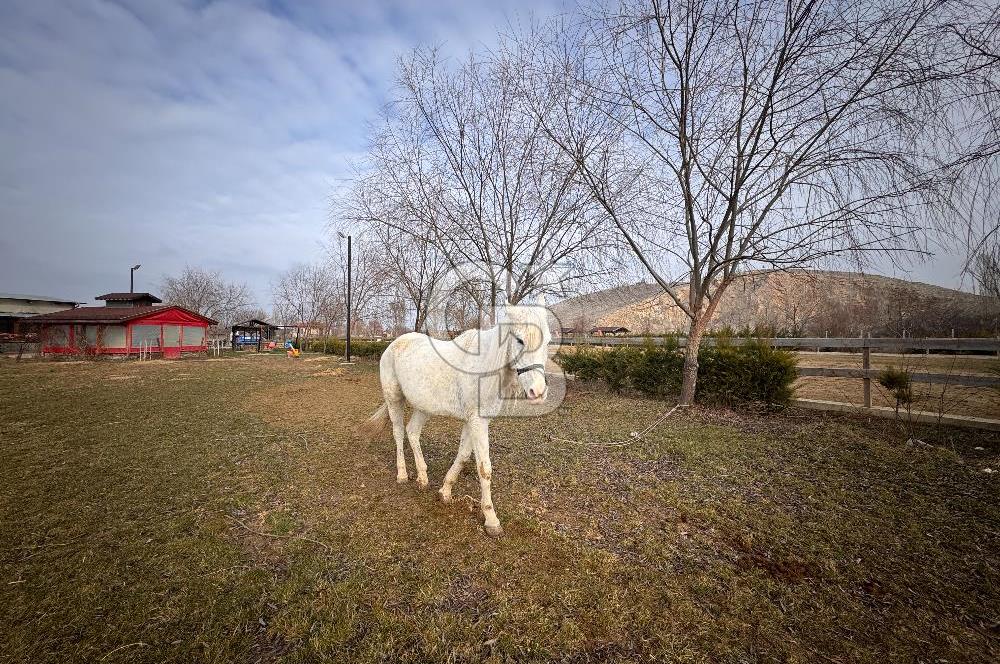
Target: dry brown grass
236,517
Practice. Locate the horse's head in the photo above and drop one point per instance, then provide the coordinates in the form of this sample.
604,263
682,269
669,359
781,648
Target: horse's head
524,335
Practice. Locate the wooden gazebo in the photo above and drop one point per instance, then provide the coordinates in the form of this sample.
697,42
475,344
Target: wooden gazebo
252,332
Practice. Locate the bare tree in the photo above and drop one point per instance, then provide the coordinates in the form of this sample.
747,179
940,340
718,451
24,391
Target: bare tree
305,296
208,293
475,176
370,285
412,265
975,131
727,136
987,273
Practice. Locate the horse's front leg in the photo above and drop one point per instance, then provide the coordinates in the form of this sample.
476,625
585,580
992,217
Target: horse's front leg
479,433
464,452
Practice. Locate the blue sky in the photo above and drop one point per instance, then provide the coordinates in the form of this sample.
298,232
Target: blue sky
208,133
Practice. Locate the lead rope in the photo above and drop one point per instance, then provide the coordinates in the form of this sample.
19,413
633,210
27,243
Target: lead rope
636,435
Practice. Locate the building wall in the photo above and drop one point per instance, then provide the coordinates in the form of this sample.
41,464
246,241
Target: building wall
169,332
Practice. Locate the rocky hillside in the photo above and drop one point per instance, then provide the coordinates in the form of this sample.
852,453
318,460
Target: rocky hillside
801,303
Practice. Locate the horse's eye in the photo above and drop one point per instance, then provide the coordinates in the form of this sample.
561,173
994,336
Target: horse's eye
519,340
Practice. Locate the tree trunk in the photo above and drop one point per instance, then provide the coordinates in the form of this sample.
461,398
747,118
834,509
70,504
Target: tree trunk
690,372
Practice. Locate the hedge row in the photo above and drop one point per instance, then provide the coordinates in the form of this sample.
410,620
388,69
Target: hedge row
359,347
750,372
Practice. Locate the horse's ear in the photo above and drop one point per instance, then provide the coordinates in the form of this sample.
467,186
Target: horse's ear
541,300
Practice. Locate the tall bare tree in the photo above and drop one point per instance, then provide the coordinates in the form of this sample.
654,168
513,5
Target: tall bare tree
478,178
208,293
721,136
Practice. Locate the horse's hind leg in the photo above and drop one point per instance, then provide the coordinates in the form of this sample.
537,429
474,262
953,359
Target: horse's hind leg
413,430
396,416
464,452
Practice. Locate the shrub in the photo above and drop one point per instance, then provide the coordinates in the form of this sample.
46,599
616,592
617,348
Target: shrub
727,373
753,371
585,362
616,366
657,369
899,383
359,347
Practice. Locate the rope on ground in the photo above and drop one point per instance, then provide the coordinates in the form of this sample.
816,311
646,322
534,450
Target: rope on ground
288,537
636,435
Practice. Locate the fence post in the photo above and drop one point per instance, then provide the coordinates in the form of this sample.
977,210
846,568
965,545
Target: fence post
867,366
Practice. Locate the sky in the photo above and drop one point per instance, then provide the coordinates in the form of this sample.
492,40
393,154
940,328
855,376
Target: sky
213,134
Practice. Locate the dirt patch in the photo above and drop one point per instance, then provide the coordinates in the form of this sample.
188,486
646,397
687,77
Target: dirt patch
328,372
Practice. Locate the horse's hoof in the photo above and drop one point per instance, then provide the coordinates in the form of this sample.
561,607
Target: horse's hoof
445,498
402,480
423,483
495,531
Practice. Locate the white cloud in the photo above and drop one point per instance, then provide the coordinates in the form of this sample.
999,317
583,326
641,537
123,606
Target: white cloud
210,133
207,133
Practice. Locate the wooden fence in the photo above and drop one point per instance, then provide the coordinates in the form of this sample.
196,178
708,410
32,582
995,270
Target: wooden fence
858,344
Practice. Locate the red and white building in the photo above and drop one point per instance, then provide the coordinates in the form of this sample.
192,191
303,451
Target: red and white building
127,324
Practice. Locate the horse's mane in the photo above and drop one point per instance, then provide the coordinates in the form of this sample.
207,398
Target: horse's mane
467,340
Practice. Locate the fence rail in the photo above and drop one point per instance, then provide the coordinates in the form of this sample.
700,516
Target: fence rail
864,344
846,343
968,380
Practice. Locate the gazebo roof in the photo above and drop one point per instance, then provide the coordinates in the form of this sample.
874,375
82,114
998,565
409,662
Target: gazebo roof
128,297
253,323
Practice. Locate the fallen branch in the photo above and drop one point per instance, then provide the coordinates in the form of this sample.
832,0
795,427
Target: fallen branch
636,435
273,536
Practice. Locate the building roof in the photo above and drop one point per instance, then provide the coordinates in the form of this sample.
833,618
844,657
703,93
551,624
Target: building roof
254,323
610,329
128,297
37,298
109,315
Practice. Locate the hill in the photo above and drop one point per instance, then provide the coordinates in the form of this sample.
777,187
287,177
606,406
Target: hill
802,303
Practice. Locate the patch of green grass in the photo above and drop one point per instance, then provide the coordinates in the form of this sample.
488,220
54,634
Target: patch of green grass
223,511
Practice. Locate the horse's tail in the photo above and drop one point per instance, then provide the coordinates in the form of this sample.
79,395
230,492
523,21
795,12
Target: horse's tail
373,427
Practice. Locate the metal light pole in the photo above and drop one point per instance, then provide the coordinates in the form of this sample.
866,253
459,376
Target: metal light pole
131,278
347,357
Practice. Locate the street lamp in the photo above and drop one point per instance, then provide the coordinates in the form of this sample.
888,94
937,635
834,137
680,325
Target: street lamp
347,357
131,278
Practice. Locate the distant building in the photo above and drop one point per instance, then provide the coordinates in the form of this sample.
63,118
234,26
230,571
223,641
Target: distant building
609,331
15,307
128,323
129,299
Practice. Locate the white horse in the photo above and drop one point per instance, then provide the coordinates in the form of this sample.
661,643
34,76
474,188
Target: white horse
468,379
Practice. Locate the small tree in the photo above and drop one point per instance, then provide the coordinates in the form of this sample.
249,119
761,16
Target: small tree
899,383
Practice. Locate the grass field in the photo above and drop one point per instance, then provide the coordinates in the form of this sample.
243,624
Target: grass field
222,510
